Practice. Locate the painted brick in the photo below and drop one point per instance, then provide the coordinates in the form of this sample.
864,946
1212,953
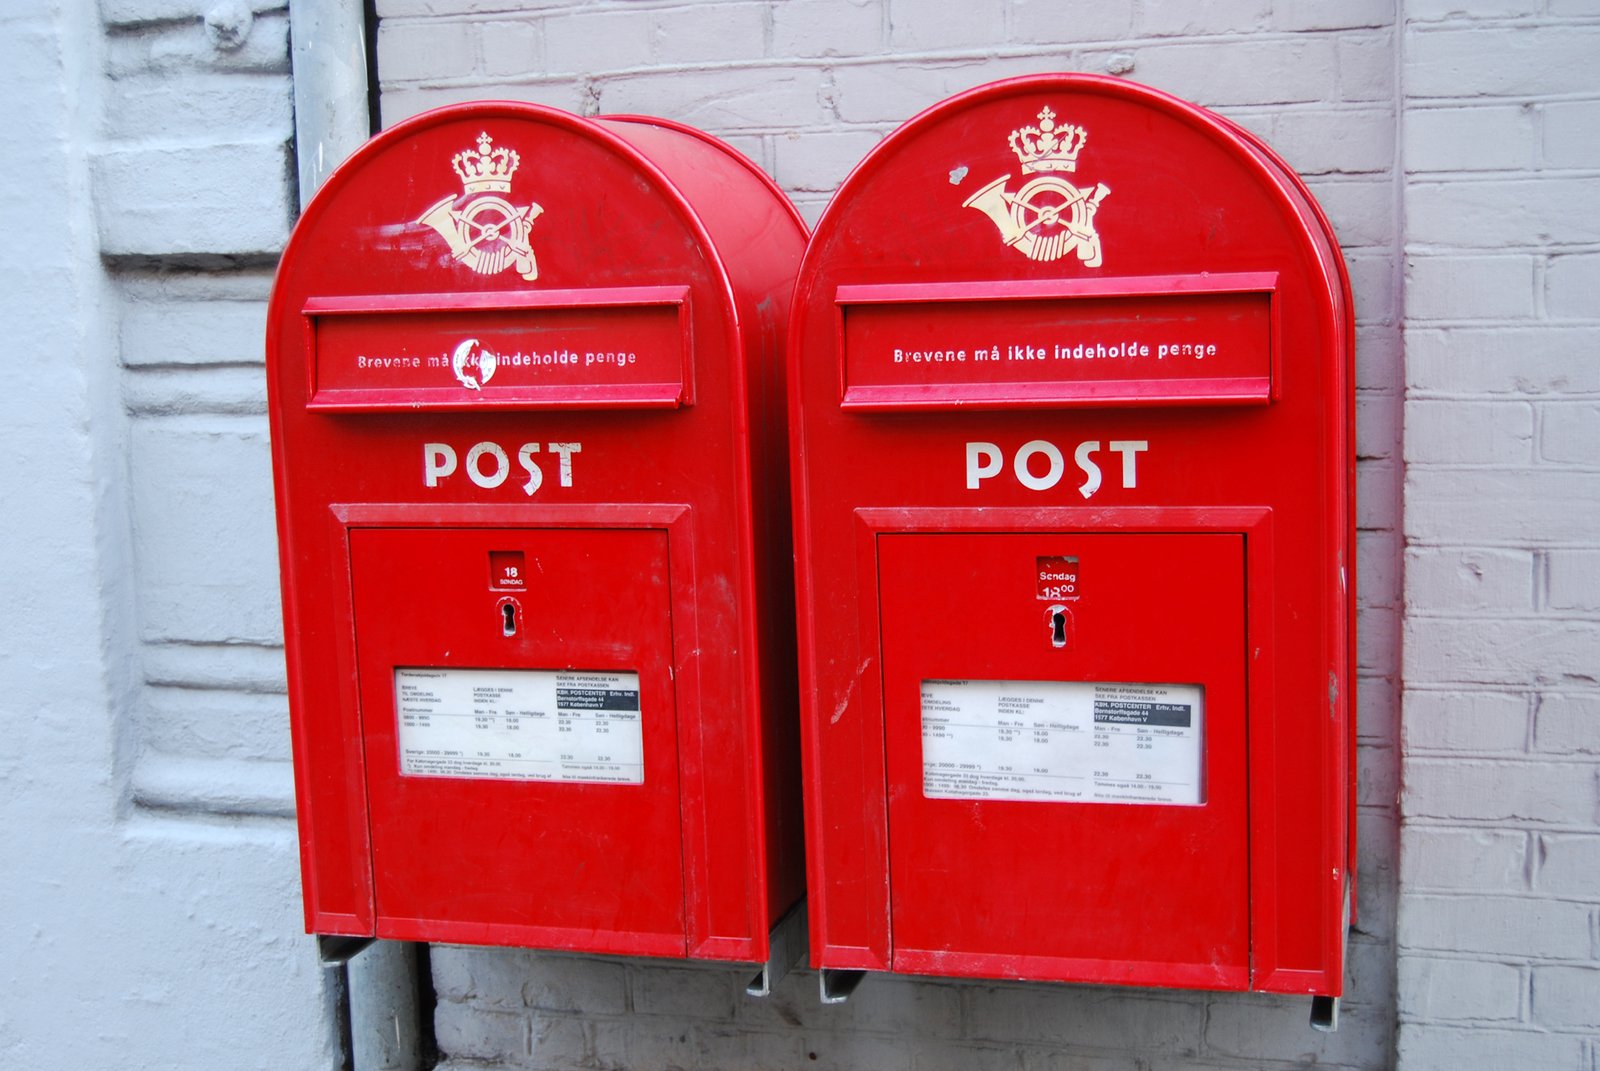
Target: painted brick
1373,286
1509,652
593,42
132,12
1571,283
161,106
236,666
1256,1027
916,27
1570,434
1377,573
215,724
577,1043
1572,134
1346,142
511,47
1464,860
1503,213
1530,508
179,49
1462,580
1495,925
1377,646
1041,22
820,161
1568,865
402,102
1472,137
1376,704
1244,71
687,994
1378,365
1174,18
187,784
1521,360
204,532
1462,11
1502,791
721,33
722,100
426,51
1456,62
470,1032
1455,990
1089,1017
192,330
1567,998
1377,776
1468,433
1426,1045
827,27
1469,288
387,9
1377,425
1362,214
1321,15
892,92
1366,67
1567,723
1574,579
1376,494
1481,722
945,1056
225,207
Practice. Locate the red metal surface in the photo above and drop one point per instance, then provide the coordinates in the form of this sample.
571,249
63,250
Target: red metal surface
1208,510
441,462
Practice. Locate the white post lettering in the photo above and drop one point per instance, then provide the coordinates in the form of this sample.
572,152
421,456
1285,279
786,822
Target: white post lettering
982,469
438,461
1129,449
564,452
1091,471
1052,477
502,465
530,466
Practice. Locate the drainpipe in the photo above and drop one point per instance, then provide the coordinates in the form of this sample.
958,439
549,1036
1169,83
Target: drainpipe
334,112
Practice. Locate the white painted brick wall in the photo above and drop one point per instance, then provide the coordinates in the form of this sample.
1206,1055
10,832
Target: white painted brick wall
1500,859
152,909
806,88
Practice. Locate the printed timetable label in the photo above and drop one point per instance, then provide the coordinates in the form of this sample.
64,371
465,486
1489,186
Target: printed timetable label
520,725
1064,741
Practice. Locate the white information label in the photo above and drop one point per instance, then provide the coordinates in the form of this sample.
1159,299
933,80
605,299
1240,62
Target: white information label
520,724
1081,742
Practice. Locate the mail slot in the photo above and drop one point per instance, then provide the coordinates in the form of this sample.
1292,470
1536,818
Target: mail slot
1070,370
528,423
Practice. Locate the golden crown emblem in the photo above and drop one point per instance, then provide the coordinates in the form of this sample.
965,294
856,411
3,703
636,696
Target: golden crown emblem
488,169
1048,147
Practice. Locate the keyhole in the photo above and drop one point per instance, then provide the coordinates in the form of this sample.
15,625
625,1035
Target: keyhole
1058,626
508,618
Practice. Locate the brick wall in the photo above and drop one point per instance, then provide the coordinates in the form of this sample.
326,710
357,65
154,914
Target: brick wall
152,913
1500,865
806,87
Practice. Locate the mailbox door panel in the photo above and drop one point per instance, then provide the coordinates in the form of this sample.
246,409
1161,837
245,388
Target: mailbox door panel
1065,725
519,731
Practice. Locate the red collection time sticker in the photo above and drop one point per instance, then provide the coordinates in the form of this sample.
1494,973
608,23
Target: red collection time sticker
1058,578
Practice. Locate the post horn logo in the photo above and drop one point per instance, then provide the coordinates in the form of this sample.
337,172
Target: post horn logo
487,233
1048,217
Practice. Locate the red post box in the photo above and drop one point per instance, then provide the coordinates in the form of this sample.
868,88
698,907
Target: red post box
529,441
1071,384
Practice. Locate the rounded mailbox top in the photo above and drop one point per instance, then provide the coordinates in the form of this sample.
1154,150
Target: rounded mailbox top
1070,176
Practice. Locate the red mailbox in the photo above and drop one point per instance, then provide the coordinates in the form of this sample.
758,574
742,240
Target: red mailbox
1072,410
529,438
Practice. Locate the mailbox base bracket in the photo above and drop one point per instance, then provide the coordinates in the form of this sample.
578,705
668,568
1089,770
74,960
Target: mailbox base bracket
836,985
335,951
1325,1014
786,946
